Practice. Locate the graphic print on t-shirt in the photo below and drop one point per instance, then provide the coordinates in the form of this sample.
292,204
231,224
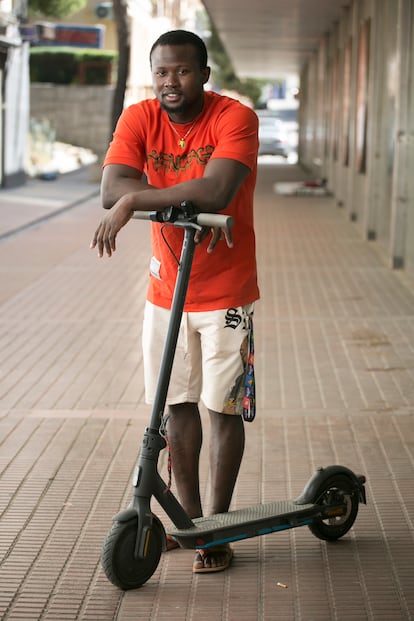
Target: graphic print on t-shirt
178,163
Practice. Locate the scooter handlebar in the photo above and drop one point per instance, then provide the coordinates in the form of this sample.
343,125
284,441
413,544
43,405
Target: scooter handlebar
218,220
202,219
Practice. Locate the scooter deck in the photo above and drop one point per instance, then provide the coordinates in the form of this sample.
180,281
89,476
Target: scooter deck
244,523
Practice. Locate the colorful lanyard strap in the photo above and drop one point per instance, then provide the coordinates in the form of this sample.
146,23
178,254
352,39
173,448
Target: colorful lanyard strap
249,399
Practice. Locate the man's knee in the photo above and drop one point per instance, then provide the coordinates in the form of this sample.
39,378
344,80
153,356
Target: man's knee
183,408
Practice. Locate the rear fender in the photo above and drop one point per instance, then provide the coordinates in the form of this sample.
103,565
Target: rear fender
308,496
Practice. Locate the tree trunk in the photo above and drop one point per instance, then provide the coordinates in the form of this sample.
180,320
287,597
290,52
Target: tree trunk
120,8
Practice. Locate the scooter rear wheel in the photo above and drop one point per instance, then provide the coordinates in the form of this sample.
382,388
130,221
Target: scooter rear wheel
118,559
336,490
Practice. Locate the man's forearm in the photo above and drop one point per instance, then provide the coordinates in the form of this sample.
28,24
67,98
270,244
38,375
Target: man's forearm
113,191
201,192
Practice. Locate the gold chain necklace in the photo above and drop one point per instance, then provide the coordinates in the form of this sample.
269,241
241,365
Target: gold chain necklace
181,142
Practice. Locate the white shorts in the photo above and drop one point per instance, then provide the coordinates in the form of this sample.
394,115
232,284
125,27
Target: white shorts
210,357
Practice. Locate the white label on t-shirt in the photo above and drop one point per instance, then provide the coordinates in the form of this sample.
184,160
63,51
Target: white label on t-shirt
155,268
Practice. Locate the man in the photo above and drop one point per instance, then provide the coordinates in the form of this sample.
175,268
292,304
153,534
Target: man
188,144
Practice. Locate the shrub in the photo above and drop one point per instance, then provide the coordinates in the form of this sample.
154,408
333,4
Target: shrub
66,65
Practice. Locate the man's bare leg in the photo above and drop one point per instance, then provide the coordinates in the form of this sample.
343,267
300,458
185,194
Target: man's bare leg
185,437
226,452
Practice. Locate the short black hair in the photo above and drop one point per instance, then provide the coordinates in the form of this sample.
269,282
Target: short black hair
183,37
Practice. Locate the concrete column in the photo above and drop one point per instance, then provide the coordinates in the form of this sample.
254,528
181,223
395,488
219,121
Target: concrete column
403,162
377,123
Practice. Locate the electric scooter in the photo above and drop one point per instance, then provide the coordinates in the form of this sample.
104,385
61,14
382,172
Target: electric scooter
132,549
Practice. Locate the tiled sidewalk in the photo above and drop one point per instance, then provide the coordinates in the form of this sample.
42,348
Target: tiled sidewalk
335,356
38,200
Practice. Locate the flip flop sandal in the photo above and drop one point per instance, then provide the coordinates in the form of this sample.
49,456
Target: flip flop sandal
223,551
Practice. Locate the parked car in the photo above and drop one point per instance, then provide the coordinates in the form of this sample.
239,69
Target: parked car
273,139
285,111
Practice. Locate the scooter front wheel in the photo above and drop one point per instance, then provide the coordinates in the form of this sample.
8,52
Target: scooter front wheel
119,562
338,489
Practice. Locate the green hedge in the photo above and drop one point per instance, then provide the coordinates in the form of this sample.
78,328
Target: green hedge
67,65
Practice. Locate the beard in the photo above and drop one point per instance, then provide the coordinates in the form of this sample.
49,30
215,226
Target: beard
182,108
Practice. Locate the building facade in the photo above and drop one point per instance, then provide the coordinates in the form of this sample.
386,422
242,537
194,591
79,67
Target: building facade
357,121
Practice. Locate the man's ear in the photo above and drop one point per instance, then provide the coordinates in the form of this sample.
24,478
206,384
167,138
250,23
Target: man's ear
206,74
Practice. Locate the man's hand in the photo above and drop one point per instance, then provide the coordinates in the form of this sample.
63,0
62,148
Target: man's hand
105,235
217,234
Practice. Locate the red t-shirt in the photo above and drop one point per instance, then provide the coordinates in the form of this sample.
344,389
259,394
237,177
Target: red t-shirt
144,139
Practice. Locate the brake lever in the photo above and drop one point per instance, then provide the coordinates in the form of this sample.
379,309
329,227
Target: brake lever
171,214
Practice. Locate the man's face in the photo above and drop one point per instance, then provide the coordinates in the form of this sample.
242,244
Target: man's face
178,81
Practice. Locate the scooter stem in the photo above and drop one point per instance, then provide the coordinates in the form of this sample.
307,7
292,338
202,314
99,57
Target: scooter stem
183,276
147,481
